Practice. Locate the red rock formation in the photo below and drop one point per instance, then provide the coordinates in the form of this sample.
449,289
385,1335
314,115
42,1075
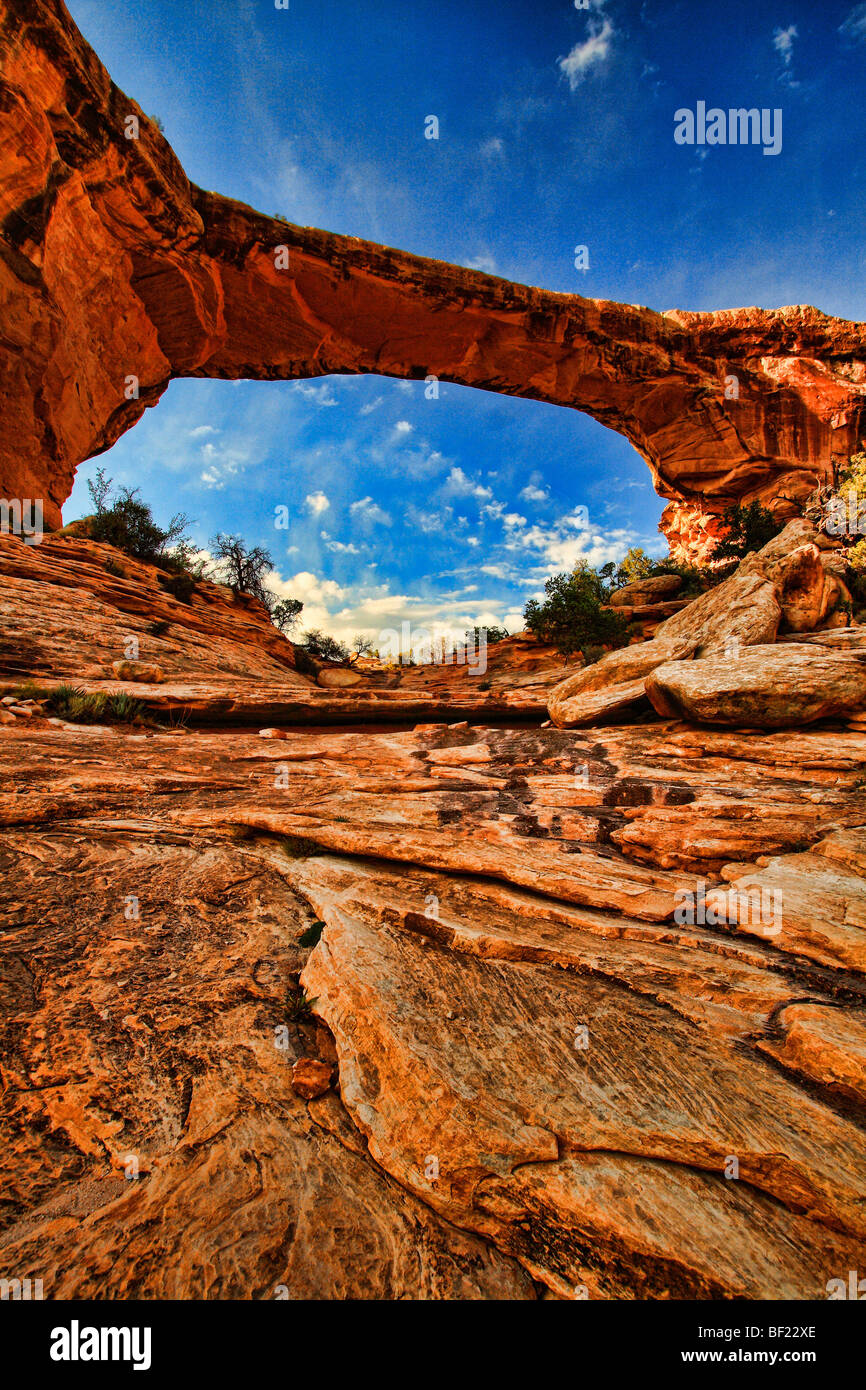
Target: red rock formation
113,266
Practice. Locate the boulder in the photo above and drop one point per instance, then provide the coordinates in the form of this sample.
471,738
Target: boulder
765,687
743,610
311,1077
610,685
339,678
808,581
646,591
851,638
141,671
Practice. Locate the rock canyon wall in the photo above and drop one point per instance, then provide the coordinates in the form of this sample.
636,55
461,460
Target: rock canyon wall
117,275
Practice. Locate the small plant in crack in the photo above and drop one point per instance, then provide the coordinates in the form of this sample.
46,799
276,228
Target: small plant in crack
299,1006
313,934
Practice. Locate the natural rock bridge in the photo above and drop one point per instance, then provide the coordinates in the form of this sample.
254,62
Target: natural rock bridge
117,275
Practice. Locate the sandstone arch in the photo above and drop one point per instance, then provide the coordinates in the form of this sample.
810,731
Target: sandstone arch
114,267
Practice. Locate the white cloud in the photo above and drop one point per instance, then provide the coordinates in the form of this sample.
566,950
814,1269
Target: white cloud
459,485
483,262
531,493
783,42
322,395
428,521
585,55
201,430
221,463
372,405
558,549
403,427
339,547
365,509
854,26
316,502
492,148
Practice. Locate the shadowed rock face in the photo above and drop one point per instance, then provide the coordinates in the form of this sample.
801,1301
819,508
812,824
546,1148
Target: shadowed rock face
113,265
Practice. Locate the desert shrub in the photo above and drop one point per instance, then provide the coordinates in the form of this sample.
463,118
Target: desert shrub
29,690
695,580
843,507
572,617
856,557
855,577
123,708
184,558
79,706
361,646
299,1005
749,528
853,475
240,566
179,584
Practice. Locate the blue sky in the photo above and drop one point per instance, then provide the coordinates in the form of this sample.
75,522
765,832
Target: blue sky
555,130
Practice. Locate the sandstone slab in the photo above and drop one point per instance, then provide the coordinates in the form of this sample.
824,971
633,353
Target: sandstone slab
763,687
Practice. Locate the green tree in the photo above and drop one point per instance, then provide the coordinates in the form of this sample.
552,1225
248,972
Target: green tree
476,635
361,646
128,524
572,617
241,566
324,647
245,568
634,565
748,528
285,613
